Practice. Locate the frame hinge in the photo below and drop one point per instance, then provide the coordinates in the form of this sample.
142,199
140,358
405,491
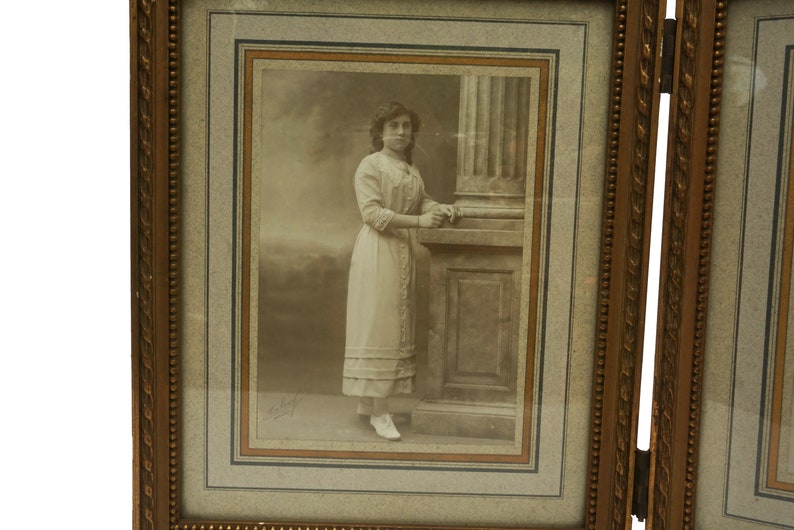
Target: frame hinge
668,55
642,466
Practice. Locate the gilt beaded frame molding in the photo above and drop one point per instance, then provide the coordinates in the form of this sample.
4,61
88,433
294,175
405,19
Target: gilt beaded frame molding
155,243
689,203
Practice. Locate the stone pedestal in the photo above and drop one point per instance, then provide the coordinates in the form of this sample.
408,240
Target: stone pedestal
475,269
475,288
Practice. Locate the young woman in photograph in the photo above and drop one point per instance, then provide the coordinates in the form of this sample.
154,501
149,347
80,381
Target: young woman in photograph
379,350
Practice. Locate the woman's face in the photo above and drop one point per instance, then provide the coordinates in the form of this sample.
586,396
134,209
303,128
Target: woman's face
397,134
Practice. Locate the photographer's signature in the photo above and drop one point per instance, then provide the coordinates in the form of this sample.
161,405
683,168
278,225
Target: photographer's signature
284,408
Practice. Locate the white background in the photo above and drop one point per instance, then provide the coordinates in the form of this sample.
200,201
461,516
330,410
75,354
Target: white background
65,382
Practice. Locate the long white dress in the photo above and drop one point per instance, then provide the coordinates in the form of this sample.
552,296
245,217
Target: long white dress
380,355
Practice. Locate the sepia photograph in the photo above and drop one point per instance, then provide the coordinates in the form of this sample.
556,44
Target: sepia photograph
390,209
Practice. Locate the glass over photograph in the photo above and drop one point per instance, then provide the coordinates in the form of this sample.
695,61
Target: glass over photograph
392,232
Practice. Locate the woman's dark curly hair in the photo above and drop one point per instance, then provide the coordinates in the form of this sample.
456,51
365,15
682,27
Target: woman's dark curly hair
389,111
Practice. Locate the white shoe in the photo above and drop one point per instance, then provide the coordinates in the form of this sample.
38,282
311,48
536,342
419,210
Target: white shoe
385,428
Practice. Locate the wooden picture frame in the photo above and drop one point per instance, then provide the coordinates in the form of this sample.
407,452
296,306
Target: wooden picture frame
163,102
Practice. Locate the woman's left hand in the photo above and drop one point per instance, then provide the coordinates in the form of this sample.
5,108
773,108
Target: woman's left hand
449,211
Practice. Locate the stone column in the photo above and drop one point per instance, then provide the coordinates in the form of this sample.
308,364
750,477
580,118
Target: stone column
475,267
492,146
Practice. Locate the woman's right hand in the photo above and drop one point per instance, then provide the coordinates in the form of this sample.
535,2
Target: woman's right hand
431,219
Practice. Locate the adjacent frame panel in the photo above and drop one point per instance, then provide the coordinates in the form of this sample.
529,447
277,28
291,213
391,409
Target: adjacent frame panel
157,234
724,295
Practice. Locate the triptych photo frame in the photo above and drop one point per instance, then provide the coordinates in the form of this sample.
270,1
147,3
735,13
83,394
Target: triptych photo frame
390,263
